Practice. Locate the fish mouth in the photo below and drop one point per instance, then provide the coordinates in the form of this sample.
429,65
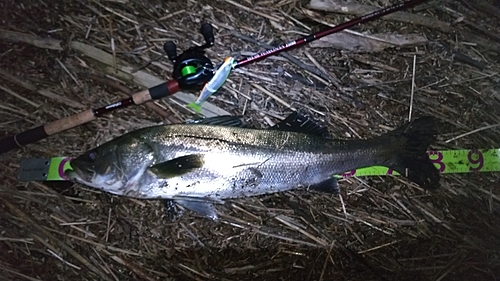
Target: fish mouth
78,176
74,174
92,179
127,186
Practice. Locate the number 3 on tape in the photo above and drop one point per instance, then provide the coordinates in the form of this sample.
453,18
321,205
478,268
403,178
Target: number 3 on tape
448,161
466,161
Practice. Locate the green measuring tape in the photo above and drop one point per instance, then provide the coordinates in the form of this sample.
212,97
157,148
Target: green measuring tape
447,162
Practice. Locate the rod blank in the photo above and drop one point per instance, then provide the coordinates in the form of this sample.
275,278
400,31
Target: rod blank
340,27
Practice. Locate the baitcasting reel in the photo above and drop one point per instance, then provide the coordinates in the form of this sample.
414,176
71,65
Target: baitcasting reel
192,69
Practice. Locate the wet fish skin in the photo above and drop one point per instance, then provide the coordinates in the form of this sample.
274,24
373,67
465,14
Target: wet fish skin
238,162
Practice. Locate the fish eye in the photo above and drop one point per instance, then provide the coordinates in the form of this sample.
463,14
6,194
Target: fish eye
92,155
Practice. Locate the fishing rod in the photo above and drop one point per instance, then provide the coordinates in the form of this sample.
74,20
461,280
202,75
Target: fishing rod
192,71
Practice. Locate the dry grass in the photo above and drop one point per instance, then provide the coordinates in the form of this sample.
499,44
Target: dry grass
380,228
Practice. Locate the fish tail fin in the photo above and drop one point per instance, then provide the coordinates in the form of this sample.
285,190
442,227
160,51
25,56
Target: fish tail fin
196,107
409,149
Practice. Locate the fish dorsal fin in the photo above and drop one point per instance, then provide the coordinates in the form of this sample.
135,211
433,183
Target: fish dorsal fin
223,120
301,123
177,166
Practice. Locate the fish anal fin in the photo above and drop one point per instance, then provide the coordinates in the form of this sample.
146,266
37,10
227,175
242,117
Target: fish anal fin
177,166
330,186
199,206
301,123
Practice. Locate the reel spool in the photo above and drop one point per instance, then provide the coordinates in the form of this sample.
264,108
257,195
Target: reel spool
192,69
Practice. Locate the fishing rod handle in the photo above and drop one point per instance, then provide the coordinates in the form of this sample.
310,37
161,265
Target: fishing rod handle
41,132
33,135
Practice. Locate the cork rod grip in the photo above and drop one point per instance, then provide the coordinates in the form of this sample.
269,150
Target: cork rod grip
69,122
41,132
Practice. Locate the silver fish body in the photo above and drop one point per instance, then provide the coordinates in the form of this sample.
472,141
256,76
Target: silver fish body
218,162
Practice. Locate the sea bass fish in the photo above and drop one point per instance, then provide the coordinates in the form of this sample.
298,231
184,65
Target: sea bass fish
198,164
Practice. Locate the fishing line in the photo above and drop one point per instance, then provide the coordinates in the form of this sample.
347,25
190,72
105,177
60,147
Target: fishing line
446,161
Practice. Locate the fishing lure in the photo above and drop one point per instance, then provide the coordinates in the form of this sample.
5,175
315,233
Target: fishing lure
214,84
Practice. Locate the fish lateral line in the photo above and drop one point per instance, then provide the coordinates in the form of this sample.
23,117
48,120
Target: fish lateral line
247,164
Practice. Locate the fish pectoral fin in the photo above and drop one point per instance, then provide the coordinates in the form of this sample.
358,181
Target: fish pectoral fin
223,120
199,206
330,186
177,166
301,123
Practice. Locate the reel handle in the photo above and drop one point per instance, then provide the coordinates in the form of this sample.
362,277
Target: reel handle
207,31
171,50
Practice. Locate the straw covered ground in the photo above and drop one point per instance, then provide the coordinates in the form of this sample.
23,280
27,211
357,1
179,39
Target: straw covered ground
442,57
